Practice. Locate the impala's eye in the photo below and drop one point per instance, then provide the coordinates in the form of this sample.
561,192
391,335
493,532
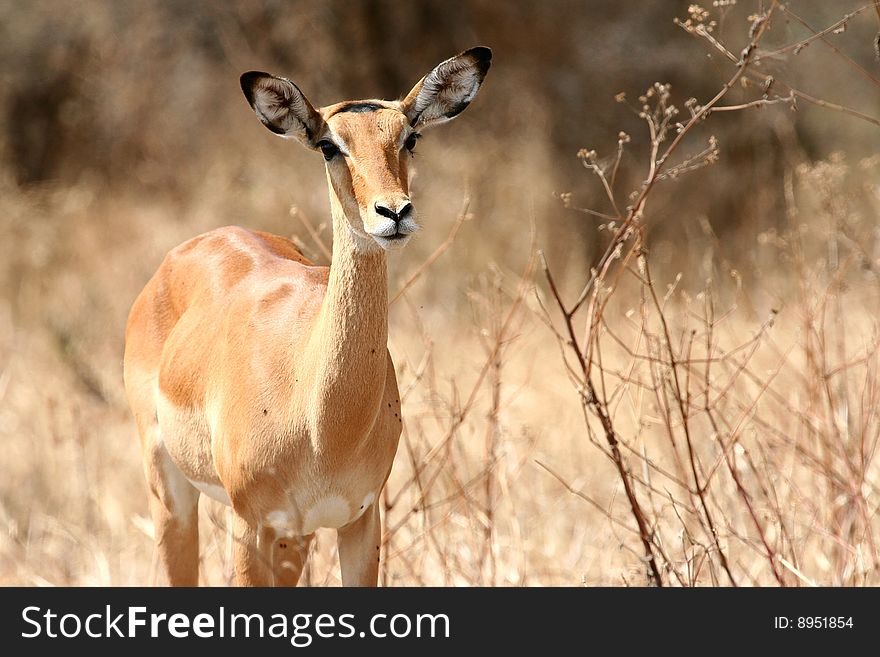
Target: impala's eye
328,149
410,143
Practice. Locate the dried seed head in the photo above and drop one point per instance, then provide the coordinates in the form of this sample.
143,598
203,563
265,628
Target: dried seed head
697,13
588,155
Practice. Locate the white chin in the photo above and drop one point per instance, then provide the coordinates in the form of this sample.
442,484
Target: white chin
391,244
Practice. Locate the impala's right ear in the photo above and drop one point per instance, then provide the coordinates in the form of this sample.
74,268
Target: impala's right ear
282,107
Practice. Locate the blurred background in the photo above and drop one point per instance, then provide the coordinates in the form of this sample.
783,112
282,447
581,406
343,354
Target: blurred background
123,132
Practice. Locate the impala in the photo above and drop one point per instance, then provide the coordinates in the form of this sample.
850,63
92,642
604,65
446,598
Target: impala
264,381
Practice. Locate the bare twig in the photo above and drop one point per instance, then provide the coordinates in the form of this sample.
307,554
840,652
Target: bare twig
816,35
313,233
439,251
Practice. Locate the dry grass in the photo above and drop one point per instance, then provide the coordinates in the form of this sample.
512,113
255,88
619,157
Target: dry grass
699,406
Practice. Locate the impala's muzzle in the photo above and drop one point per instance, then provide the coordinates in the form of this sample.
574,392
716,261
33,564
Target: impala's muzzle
393,222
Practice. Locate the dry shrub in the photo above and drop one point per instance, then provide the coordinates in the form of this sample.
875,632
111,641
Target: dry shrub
744,458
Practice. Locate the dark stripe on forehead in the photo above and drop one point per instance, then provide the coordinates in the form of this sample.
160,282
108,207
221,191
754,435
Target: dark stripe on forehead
360,107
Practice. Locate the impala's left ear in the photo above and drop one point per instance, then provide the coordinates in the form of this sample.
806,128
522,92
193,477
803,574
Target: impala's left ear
447,90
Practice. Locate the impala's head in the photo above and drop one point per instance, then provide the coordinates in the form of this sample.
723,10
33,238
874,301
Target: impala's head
367,144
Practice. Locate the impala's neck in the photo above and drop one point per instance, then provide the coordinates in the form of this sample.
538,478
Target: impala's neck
352,331
356,304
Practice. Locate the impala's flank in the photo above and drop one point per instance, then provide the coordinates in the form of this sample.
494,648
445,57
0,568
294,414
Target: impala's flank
264,381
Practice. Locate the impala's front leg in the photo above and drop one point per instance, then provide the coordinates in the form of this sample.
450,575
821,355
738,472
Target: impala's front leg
359,549
252,553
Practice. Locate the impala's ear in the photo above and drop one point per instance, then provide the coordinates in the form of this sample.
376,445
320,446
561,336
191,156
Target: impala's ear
447,90
282,107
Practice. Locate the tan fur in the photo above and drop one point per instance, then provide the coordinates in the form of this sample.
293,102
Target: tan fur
251,371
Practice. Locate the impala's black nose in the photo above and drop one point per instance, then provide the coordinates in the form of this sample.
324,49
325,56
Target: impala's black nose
396,217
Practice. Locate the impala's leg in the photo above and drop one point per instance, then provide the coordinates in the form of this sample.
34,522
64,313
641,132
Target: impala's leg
289,557
359,549
252,553
174,505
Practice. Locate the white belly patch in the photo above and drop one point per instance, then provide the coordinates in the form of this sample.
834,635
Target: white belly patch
332,512
213,491
329,512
